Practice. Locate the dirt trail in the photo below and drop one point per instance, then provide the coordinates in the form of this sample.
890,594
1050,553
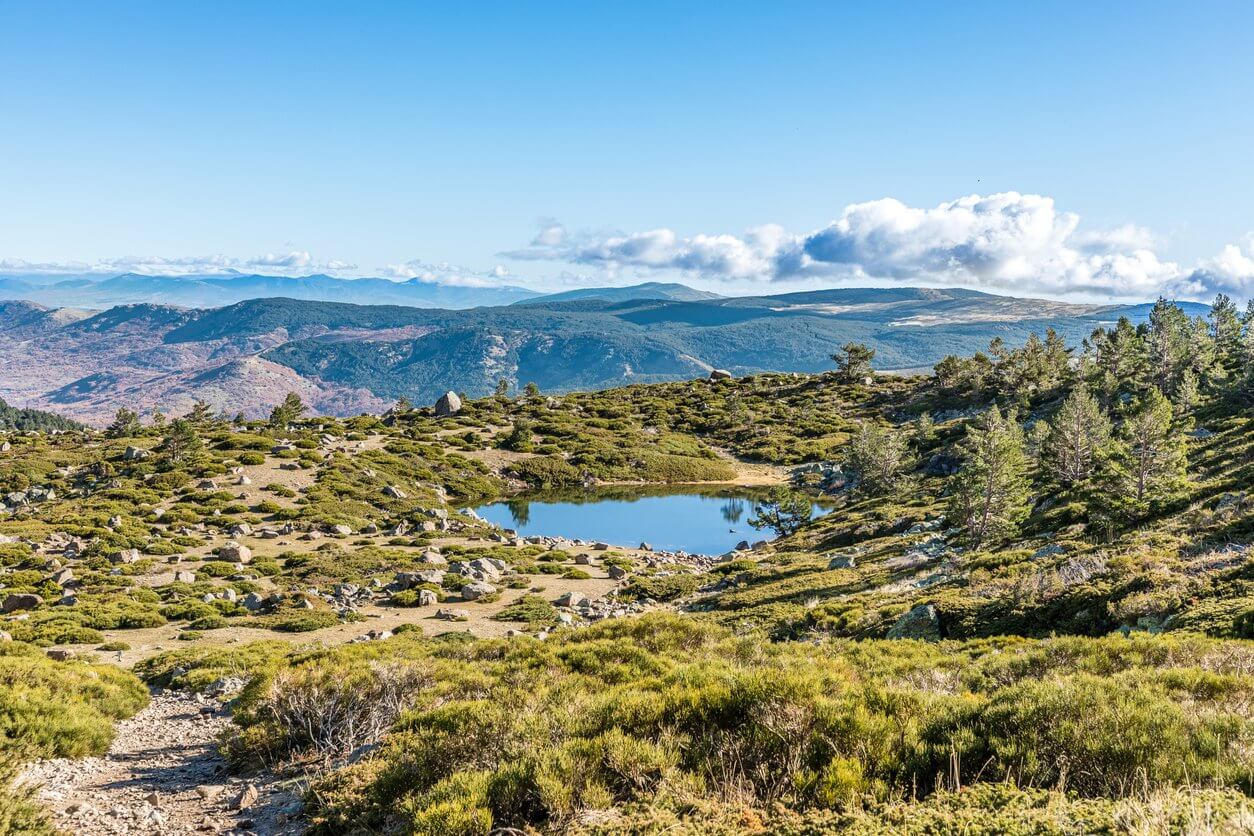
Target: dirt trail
163,774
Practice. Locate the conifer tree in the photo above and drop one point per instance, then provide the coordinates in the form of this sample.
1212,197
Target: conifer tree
924,431
181,443
876,454
287,412
853,362
1169,345
784,511
1150,461
990,496
125,424
1225,331
200,414
1078,435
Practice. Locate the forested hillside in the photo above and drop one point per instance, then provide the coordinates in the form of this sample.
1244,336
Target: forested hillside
347,358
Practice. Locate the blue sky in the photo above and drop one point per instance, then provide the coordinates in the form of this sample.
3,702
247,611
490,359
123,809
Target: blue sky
648,139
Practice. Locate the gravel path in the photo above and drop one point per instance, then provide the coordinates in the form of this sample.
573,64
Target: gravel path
163,774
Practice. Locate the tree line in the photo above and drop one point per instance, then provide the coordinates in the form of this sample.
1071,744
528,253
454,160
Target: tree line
1109,430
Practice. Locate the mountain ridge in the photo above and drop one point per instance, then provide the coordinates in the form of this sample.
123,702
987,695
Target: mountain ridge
345,357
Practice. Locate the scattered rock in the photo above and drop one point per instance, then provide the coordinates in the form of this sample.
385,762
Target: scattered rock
922,622
21,601
449,404
477,589
233,552
842,561
246,798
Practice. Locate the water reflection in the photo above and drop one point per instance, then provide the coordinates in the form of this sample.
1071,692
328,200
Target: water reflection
692,519
520,510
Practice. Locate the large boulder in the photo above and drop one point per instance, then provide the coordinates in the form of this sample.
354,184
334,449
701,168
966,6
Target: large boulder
477,589
720,374
448,404
233,552
21,601
573,600
922,622
408,580
124,556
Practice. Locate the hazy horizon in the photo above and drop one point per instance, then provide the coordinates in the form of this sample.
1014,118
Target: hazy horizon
1070,152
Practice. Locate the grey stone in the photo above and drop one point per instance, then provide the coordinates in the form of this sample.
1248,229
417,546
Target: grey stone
233,552
449,404
922,622
477,589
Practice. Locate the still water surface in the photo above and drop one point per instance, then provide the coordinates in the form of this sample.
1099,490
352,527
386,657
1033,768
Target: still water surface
684,519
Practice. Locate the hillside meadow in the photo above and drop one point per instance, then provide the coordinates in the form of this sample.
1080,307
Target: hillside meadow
1029,611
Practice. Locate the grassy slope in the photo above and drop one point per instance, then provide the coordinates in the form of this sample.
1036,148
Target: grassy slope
702,720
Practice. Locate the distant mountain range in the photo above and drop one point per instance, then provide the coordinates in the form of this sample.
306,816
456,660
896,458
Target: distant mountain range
345,358
214,291
649,290
96,291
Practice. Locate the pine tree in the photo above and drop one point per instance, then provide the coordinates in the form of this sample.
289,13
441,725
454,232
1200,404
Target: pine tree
200,414
1118,361
924,431
990,495
784,511
181,443
1057,358
1150,461
876,454
1187,394
287,412
1225,331
1169,345
853,362
1078,434
125,424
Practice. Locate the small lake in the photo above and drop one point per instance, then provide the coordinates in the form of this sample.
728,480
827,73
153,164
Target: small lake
694,520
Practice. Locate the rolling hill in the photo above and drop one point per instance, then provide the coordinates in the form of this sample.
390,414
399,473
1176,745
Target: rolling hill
345,358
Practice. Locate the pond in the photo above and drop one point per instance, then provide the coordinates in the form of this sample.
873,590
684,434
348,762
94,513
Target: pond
690,519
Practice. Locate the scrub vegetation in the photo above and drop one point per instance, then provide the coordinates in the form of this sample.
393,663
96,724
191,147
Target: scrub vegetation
1030,609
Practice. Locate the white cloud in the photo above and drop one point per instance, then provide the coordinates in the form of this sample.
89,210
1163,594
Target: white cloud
444,273
1010,242
1231,272
292,263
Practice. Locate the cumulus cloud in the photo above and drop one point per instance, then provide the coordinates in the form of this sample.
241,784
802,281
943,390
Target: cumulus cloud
444,273
1231,272
1008,242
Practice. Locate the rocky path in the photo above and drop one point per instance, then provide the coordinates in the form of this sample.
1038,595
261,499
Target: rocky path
163,774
